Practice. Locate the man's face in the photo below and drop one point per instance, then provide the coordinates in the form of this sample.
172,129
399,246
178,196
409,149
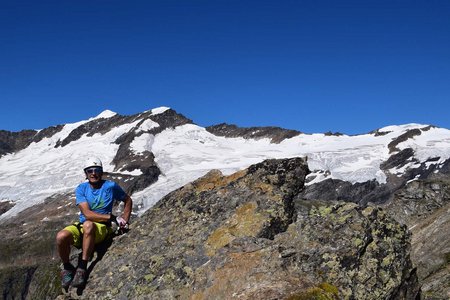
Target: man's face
94,174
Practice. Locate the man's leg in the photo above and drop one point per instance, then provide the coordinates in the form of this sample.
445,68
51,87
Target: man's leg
89,229
88,239
64,239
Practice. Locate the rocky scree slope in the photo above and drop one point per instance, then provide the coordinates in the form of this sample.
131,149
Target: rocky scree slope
243,236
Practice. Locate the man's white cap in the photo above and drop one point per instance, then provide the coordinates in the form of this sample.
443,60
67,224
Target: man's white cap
93,162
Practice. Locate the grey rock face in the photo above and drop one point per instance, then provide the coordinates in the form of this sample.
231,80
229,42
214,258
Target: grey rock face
242,236
424,206
335,189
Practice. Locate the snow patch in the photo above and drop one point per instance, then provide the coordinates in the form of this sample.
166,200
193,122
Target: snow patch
142,143
401,128
159,110
105,114
148,125
136,172
315,177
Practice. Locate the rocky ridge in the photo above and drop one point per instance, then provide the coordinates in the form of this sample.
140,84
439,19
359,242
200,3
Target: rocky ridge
243,236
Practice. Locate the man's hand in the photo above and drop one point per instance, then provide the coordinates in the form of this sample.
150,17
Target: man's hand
118,224
121,222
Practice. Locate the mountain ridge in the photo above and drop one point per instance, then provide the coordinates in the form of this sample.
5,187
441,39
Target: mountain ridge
161,154
134,147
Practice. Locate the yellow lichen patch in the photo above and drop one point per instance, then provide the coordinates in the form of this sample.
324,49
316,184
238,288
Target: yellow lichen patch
357,242
215,179
219,238
267,189
235,176
245,222
368,211
324,291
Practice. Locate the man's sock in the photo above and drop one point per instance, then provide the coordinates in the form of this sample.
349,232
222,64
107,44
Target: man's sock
82,264
68,266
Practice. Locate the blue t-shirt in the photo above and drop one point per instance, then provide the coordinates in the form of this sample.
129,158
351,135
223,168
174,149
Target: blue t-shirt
100,200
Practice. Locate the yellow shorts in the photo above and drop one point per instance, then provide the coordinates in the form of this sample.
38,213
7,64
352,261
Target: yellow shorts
101,233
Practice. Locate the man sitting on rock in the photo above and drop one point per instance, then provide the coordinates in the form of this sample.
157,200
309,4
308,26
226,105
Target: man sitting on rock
95,199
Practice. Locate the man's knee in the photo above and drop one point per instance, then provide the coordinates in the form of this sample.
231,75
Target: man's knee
64,237
88,228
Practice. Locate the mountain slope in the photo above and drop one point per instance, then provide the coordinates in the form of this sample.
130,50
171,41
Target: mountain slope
157,151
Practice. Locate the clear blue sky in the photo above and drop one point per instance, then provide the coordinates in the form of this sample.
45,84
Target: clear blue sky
313,66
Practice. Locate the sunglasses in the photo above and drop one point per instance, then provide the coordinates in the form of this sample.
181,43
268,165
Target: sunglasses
96,170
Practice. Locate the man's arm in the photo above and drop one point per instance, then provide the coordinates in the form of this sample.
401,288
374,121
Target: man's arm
127,208
96,217
91,215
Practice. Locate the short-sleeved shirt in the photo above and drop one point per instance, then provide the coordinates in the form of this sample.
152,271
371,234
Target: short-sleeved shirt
100,200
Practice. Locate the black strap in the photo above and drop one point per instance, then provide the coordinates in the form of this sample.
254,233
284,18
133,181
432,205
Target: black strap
79,225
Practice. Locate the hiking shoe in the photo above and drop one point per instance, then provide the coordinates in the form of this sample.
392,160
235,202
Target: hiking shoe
66,278
80,278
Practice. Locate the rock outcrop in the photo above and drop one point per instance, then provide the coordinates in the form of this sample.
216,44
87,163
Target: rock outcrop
424,206
244,236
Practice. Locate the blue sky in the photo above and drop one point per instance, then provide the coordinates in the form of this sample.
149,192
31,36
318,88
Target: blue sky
313,66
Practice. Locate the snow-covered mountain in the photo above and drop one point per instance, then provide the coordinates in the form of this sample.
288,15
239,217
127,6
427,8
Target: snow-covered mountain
157,151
